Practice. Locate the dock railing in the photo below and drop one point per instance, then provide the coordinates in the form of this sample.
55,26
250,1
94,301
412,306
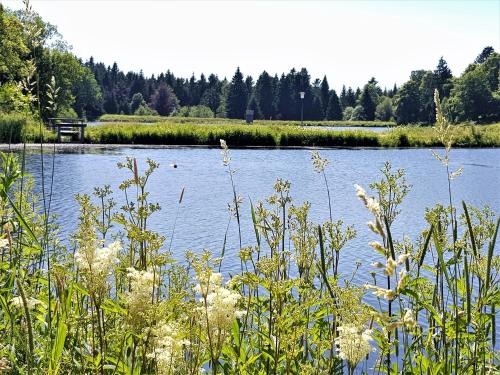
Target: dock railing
68,127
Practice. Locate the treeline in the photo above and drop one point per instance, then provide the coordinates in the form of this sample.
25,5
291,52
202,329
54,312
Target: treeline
90,89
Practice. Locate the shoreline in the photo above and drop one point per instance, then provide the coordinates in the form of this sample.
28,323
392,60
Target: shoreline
75,147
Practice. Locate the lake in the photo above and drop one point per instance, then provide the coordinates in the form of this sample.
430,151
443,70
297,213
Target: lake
203,215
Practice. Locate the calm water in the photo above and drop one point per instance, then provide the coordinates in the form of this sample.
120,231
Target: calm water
203,215
376,129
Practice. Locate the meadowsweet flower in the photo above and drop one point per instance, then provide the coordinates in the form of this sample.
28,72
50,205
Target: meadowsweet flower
218,305
370,203
96,264
353,343
377,246
409,319
168,346
319,163
402,280
387,294
140,297
31,302
402,258
390,267
373,227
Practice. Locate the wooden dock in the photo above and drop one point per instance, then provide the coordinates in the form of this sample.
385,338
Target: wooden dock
73,127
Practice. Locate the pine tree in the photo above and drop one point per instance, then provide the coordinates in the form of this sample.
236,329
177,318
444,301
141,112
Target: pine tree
443,77
237,96
334,110
264,96
485,53
351,98
343,97
325,95
316,113
285,100
368,104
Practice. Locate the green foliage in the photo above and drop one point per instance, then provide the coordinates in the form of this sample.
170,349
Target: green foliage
12,99
474,95
384,112
334,109
13,49
191,131
236,102
197,111
164,100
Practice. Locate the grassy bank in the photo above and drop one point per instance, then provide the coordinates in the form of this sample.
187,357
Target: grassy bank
273,136
225,121
16,128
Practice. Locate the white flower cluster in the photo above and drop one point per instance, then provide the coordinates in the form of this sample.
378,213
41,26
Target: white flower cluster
31,302
221,302
168,351
139,299
96,264
353,343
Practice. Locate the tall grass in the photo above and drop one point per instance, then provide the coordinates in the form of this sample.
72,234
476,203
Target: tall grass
271,136
221,121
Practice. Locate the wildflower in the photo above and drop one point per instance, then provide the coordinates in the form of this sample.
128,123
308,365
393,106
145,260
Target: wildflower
387,294
377,246
319,163
4,242
96,265
390,267
373,227
409,319
402,258
353,343
140,297
168,347
219,304
370,203
402,280
31,302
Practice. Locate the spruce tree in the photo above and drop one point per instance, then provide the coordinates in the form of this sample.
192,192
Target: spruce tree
343,97
443,77
264,96
237,96
285,100
334,110
325,94
368,104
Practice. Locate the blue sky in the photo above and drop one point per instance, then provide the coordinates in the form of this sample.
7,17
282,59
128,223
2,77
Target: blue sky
349,41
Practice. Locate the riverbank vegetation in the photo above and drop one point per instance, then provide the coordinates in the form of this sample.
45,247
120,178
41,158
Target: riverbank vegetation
113,300
205,120
90,89
276,135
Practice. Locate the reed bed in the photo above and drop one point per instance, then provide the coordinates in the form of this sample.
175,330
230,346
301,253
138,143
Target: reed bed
283,136
221,121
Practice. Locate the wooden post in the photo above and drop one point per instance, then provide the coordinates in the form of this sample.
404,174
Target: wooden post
82,134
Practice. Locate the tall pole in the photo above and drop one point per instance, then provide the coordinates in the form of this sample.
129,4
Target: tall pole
302,113
302,94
